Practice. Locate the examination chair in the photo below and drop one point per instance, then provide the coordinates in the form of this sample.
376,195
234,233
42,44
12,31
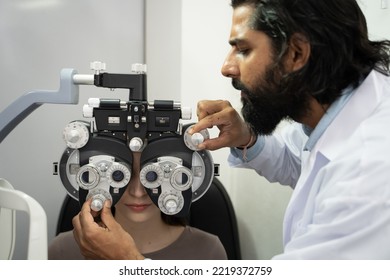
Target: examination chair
12,200
213,213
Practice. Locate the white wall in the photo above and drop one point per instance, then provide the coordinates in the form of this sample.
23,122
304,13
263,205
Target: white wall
378,19
196,36
163,39
38,39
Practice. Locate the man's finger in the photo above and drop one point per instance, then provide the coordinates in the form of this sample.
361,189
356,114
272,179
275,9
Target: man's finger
216,119
106,215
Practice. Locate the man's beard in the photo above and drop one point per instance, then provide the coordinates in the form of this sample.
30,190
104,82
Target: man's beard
270,102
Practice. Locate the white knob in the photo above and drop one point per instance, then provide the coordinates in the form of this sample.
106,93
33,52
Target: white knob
73,136
87,111
192,141
197,138
186,113
98,66
135,144
138,68
171,205
76,135
94,102
97,203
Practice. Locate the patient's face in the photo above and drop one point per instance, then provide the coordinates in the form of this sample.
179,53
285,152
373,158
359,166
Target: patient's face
135,204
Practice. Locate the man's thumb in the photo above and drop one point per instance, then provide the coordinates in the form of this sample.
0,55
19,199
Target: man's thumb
106,214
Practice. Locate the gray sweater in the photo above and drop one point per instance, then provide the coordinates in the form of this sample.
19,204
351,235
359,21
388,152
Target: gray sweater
192,244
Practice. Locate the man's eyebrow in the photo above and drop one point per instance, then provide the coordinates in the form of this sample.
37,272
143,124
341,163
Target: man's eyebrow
236,41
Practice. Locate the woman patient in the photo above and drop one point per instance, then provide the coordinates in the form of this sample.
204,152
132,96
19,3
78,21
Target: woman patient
156,235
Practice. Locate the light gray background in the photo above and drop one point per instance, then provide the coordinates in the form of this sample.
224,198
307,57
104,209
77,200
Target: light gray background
38,39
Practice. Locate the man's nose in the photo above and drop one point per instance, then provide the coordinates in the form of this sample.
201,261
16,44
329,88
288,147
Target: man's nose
230,67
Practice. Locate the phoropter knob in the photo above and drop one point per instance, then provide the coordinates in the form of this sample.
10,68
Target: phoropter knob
76,135
136,144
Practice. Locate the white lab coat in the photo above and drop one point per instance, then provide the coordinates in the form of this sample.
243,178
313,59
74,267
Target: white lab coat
340,206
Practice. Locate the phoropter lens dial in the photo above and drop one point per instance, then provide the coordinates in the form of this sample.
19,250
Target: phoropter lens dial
87,177
181,178
118,175
76,135
171,203
151,176
192,141
98,196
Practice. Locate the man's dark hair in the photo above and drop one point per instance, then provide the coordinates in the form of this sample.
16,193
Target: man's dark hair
341,52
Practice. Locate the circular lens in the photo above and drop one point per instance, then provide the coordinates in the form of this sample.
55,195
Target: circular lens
181,180
118,176
85,177
151,176
88,177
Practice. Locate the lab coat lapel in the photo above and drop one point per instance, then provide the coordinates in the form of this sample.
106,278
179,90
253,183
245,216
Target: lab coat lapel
361,104
295,219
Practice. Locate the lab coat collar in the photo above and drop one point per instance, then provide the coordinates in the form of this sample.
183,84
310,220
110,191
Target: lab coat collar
361,104
326,120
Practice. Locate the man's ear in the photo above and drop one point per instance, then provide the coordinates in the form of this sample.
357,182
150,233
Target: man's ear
298,52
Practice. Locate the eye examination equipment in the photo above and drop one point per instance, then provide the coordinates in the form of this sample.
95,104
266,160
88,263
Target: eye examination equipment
97,160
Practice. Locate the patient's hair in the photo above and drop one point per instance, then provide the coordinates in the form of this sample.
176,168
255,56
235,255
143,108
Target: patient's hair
174,221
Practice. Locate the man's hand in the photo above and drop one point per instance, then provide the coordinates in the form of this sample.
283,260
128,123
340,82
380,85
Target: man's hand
103,240
233,131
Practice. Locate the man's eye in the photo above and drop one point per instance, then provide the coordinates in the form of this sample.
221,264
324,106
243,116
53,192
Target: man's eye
243,51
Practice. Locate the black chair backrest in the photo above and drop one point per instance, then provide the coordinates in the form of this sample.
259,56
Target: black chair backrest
213,213
70,208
